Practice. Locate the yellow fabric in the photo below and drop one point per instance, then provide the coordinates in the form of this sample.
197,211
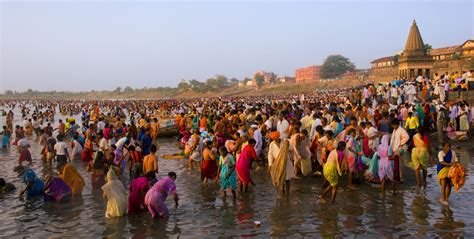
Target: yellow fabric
330,173
73,179
116,196
443,173
419,154
412,123
278,169
331,169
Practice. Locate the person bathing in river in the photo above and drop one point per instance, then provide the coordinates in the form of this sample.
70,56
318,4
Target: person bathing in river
244,165
227,172
332,171
155,197
116,196
209,163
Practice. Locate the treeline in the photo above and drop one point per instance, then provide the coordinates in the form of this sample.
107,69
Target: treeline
119,92
213,84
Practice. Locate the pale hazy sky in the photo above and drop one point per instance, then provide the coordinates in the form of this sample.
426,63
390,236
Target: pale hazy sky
85,45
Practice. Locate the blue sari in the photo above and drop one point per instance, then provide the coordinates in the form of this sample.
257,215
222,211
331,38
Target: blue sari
37,185
447,158
231,181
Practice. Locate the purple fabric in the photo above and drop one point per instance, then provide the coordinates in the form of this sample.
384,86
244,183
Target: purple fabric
57,190
155,197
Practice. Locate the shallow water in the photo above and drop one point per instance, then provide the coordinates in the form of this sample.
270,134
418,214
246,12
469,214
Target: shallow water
203,213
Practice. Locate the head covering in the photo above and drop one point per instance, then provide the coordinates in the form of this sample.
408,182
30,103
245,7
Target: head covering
274,135
111,175
254,126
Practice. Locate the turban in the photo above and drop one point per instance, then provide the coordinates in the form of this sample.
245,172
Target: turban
274,135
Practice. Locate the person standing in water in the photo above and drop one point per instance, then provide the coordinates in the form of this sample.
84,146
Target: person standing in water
332,171
447,157
228,176
155,197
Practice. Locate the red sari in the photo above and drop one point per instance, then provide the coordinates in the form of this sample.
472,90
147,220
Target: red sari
244,164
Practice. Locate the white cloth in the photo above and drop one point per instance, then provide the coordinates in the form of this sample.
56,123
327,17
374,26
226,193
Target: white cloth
399,137
442,154
60,148
282,126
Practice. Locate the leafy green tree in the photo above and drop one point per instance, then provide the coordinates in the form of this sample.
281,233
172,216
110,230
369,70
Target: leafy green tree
183,85
335,65
234,81
128,89
427,47
260,80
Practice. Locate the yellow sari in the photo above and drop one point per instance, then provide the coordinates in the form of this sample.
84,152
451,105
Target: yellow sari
420,153
73,179
278,169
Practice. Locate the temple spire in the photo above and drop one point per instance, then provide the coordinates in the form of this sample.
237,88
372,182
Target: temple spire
414,43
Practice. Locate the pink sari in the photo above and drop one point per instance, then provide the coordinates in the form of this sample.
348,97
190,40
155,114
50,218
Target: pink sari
244,164
136,197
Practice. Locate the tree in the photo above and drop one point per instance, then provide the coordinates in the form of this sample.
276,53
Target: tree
128,89
234,81
260,79
118,89
8,93
183,85
427,47
335,65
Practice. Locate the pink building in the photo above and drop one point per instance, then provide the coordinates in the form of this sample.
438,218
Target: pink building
310,73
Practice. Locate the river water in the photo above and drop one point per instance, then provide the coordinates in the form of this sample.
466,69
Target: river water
203,213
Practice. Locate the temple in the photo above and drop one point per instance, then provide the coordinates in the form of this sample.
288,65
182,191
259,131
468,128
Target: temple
416,60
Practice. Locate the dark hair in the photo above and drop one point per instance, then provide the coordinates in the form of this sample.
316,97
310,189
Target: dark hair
252,141
172,174
150,175
223,150
2,182
395,121
351,131
341,145
153,148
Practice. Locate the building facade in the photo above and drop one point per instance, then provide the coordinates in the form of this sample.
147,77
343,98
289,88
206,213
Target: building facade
310,73
415,60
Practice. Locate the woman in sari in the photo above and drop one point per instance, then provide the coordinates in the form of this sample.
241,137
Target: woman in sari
86,154
332,171
282,168
354,151
447,158
385,170
155,197
419,156
244,165
97,167
136,197
33,185
116,196
420,113
56,190
209,163
73,179
228,176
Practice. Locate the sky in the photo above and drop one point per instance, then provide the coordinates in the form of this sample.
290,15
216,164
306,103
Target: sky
100,45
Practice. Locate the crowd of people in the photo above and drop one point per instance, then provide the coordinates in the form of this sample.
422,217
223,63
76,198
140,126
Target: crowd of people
364,134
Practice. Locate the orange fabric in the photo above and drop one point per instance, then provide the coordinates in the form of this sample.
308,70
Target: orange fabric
457,174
